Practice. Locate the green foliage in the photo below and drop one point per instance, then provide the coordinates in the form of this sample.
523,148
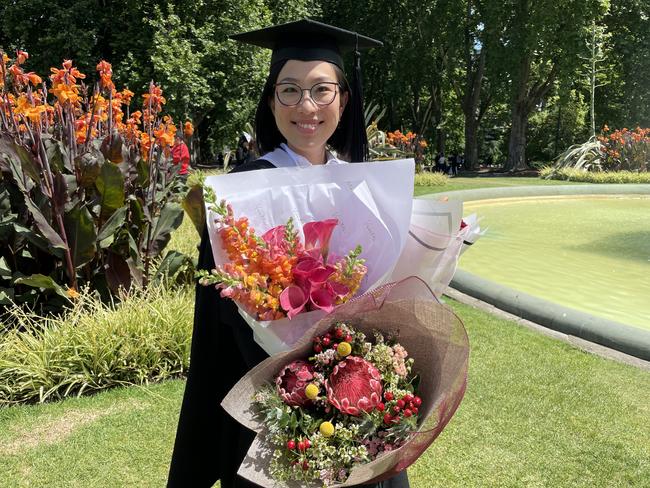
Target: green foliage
78,210
563,120
426,178
586,157
574,174
94,346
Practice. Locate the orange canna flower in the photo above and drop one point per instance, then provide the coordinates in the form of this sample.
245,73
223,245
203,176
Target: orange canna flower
66,94
154,100
68,74
105,74
34,79
21,56
188,129
126,96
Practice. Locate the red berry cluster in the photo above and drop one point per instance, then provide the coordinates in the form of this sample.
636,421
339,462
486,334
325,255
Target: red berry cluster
331,340
406,406
301,445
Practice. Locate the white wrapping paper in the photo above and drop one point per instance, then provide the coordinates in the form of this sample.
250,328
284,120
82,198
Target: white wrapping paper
434,243
372,202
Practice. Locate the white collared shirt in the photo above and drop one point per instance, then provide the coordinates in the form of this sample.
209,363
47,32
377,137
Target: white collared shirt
285,157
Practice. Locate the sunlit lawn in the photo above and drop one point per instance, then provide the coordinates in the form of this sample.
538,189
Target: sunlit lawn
471,183
537,412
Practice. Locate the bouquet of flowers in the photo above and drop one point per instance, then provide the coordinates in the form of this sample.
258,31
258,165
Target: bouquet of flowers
326,234
351,401
360,397
276,275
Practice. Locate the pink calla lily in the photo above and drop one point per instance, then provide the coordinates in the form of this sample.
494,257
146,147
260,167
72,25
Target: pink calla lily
338,289
293,300
320,274
274,236
318,235
322,298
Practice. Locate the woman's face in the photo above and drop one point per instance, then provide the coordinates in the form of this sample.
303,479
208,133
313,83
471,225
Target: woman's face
307,126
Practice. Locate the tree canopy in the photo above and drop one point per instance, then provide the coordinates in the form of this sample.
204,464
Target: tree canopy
501,81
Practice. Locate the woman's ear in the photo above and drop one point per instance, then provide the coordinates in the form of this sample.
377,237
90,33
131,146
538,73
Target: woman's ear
272,105
344,101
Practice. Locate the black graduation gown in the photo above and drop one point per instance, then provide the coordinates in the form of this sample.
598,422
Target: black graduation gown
210,445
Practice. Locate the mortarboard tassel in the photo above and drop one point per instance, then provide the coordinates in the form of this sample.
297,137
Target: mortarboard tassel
359,152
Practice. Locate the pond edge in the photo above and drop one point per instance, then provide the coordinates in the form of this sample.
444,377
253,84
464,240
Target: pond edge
615,335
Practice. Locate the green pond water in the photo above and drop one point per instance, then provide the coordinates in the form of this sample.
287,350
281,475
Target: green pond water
588,253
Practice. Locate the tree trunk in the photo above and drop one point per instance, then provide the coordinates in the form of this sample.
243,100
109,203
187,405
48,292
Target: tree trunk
471,143
436,96
519,119
517,142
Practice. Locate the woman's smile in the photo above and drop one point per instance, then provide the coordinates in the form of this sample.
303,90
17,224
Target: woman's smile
306,125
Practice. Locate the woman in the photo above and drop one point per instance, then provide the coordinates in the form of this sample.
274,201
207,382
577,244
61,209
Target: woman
306,106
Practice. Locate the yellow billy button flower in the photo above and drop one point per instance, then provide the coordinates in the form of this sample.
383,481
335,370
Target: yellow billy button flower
311,391
327,429
344,349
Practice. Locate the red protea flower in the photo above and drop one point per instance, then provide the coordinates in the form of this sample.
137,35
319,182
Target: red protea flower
292,380
354,386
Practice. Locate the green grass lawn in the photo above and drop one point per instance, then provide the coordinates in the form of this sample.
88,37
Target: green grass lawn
537,412
467,183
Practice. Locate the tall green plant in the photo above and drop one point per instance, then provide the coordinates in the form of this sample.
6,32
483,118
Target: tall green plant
88,194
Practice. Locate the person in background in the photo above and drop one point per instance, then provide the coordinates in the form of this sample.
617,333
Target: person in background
181,155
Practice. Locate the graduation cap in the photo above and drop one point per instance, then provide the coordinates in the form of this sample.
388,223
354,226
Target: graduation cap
309,40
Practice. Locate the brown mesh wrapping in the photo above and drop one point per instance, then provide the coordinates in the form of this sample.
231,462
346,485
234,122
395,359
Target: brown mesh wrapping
433,336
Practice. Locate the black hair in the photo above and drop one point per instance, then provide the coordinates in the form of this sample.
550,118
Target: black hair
269,136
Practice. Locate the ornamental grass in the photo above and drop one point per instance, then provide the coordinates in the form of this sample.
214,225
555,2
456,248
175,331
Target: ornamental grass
569,174
426,178
94,346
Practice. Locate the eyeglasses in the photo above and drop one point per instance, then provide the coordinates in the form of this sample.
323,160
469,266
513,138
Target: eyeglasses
322,94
